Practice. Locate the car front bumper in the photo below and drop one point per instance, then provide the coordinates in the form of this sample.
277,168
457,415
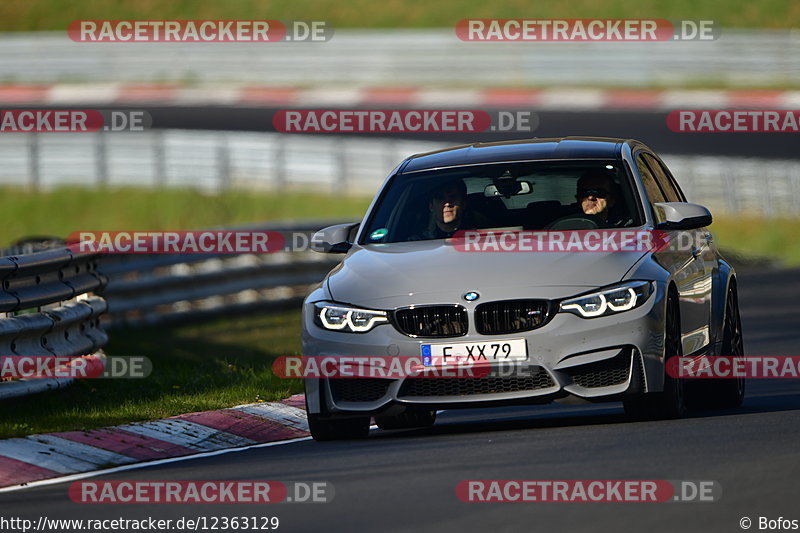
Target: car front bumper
594,359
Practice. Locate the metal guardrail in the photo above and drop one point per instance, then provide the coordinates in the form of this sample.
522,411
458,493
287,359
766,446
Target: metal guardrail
412,58
48,308
214,161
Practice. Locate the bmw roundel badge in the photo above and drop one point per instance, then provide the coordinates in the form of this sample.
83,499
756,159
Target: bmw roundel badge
471,296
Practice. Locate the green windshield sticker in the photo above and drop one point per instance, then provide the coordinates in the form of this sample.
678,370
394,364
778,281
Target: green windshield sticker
378,234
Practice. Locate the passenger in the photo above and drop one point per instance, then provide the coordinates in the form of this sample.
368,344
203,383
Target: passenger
448,208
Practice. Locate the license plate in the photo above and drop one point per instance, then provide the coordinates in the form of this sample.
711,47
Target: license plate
474,352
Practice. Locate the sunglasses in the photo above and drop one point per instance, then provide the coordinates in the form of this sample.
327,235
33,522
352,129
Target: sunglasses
599,193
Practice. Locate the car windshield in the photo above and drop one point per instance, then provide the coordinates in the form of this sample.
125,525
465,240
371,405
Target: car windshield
531,195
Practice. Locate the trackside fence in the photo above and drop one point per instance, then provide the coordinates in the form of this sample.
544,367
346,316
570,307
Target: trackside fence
217,161
49,307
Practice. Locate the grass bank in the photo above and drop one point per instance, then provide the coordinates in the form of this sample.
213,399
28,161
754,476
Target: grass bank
195,368
37,15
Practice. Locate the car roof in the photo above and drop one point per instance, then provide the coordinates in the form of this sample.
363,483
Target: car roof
518,150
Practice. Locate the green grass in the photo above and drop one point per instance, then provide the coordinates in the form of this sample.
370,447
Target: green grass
58,212
32,15
195,368
759,237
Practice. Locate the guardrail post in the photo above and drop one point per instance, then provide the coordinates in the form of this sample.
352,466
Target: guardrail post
392,156
280,162
159,160
223,165
33,161
731,192
101,159
341,184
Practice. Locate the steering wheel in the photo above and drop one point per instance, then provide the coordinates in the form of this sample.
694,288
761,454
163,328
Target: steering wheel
576,222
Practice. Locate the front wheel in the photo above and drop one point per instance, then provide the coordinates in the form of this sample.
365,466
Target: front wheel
671,402
725,393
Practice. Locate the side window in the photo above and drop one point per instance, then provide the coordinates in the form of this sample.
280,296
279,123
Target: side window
663,180
674,182
649,181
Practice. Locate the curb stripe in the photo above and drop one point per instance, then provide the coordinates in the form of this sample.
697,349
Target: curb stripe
23,93
126,443
64,460
284,414
14,472
244,425
267,95
387,96
146,93
624,99
84,453
298,400
188,434
511,97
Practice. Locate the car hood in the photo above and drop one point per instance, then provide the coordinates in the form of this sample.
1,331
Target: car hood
399,274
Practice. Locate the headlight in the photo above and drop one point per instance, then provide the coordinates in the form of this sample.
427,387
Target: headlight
616,299
344,318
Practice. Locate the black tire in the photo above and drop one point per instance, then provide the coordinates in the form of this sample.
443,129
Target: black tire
411,418
671,402
722,393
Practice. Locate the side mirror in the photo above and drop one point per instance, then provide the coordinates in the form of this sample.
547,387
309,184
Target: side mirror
681,215
336,239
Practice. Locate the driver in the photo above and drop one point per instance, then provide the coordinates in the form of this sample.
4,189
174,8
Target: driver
597,196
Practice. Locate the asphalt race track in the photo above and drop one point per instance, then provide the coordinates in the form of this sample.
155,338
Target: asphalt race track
649,127
405,480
